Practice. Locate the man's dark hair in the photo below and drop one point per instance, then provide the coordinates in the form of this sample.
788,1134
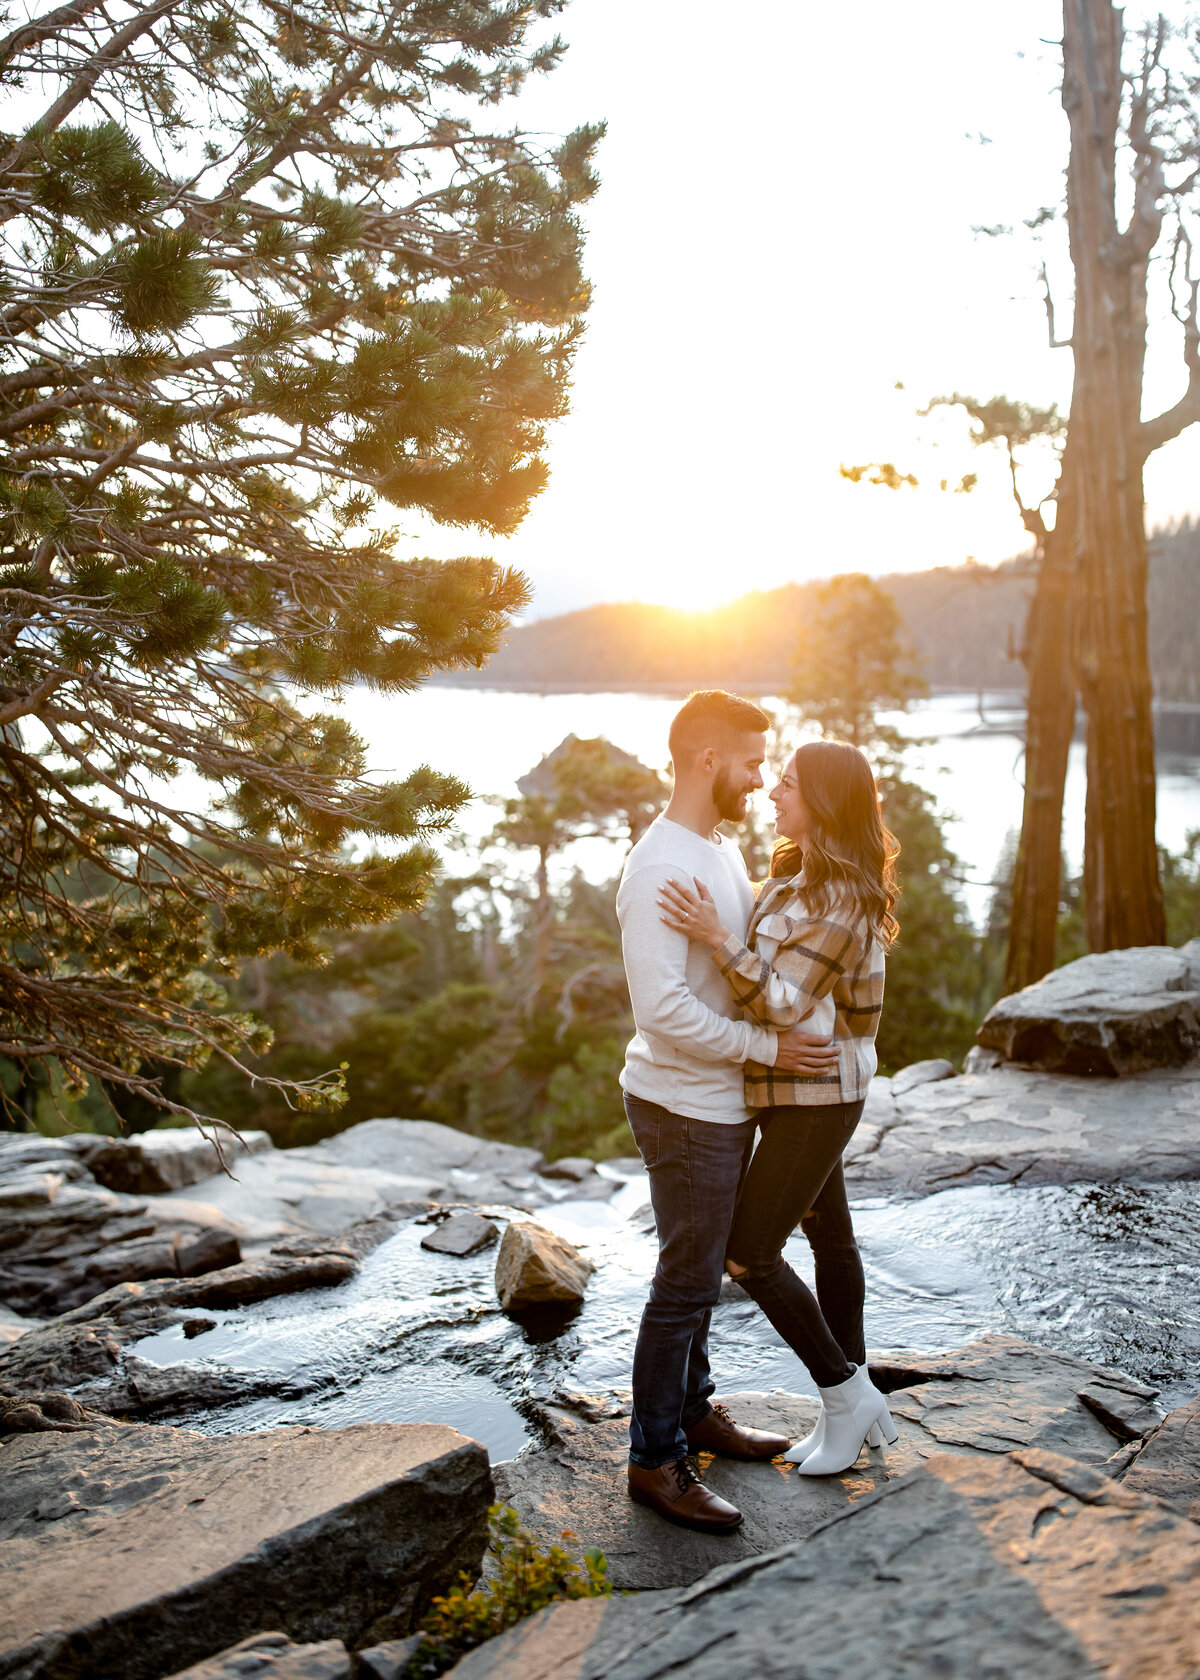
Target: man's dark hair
712,718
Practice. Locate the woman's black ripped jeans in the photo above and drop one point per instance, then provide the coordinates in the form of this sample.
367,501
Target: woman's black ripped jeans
795,1178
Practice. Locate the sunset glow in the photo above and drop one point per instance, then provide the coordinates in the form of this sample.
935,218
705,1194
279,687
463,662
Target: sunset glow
772,251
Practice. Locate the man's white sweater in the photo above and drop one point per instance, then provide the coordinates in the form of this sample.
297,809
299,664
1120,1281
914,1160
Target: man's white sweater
689,1047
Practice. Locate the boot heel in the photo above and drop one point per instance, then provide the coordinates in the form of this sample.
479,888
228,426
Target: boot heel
884,1426
875,1437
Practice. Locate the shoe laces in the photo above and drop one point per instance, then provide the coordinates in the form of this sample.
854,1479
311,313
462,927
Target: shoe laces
721,1413
686,1475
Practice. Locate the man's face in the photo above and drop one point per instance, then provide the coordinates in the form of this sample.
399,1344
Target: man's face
737,776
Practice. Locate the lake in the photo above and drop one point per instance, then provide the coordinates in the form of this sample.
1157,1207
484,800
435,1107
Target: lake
489,737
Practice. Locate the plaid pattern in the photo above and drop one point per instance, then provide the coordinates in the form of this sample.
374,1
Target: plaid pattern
797,959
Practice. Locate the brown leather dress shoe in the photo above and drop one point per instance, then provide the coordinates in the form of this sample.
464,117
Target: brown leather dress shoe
676,1492
716,1432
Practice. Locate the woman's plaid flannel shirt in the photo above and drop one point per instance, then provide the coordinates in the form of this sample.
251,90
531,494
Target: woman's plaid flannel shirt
797,960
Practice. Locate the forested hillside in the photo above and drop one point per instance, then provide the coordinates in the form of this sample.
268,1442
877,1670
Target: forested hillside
965,623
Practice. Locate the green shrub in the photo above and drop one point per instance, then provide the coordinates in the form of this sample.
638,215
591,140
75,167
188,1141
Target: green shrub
524,1579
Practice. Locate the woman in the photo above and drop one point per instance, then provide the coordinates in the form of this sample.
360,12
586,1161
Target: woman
817,939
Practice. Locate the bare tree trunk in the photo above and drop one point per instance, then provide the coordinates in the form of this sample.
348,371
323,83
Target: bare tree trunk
1124,893
1049,725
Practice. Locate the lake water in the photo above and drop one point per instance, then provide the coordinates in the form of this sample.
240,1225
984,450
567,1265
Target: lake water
489,737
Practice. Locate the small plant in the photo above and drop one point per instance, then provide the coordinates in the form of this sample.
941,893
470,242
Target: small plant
524,1579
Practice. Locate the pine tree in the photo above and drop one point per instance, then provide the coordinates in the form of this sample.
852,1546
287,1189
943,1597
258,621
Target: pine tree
270,269
852,661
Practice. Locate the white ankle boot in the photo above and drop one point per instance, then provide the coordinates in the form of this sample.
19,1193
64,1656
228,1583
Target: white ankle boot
849,1412
810,1443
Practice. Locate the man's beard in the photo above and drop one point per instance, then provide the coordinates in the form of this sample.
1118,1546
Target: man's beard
729,800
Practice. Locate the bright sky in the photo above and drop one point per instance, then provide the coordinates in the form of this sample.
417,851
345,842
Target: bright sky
784,231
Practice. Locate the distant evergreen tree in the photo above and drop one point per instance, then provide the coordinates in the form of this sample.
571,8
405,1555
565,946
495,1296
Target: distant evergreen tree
852,661
266,268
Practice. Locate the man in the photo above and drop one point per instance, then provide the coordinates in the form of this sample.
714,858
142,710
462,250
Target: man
684,1097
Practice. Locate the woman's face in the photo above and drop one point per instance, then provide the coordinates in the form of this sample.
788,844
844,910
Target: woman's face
792,819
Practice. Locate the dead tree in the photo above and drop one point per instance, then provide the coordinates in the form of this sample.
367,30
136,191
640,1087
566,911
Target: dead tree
1151,113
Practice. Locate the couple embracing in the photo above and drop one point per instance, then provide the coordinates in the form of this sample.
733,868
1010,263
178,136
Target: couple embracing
754,1015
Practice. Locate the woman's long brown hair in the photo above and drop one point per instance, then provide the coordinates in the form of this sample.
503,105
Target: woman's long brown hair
847,851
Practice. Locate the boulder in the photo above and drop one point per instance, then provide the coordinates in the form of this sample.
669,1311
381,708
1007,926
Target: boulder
341,1534
1167,1465
986,1398
922,1073
156,1162
1114,1012
537,1268
273,1656
1013,1123
462,1233
1024,1564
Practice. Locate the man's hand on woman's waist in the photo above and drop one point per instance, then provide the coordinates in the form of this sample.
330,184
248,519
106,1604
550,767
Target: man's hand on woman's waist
801,1052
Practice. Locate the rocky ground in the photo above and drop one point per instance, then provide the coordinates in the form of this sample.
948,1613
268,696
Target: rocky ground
1037,1514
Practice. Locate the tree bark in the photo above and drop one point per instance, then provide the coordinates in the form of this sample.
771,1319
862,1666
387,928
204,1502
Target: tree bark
1049,725
1124,893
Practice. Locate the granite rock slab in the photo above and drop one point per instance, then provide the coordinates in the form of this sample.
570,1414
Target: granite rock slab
987,1398
1167,1465
361,1171
967,1568
319,1534
462,1233
1111,1013
1010,1124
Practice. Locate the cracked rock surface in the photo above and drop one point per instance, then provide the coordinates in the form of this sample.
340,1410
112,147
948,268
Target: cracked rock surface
968,1567
1167,1463
987,1398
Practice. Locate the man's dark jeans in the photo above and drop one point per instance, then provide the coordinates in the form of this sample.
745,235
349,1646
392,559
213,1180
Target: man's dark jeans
695,1168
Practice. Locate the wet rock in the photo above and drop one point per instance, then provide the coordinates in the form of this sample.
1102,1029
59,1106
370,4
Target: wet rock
537,1268
273,1656
1013,1124
324,1534
1168,1464
462,1233
1114,1012
987,1398
138,1388
156,1162
235,1286
574,1167
922,1073
1029,1564
61,1356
